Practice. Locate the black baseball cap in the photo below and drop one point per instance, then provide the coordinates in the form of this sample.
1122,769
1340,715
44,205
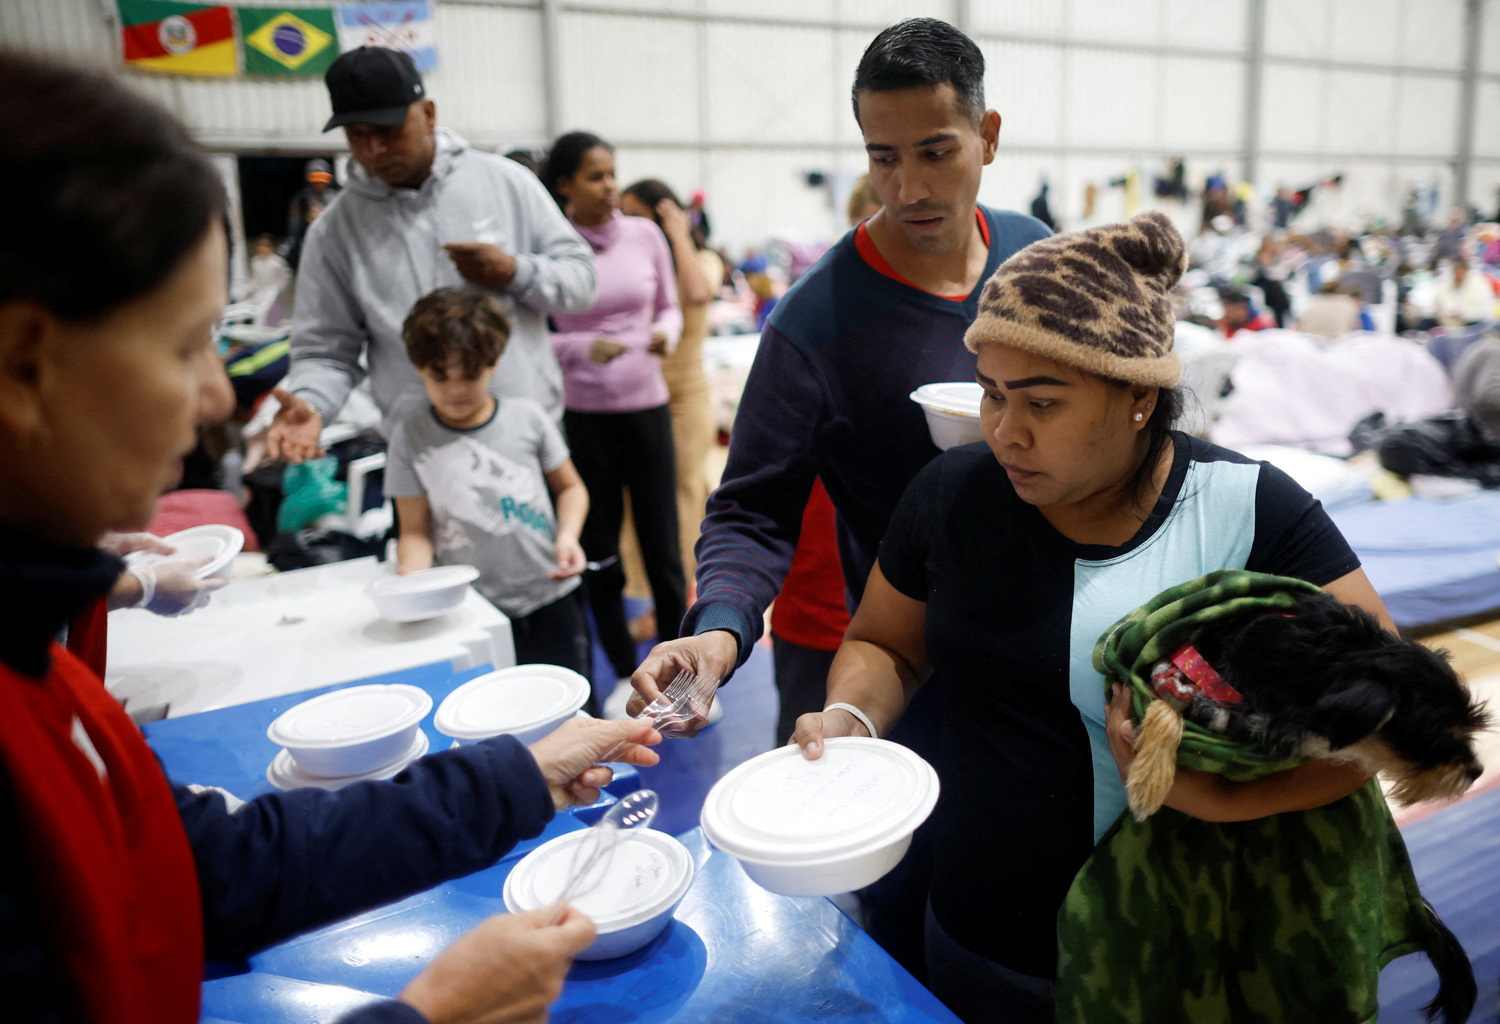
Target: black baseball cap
372,85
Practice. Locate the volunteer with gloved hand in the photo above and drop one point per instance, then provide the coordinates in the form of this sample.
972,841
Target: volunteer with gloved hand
118,883
167,587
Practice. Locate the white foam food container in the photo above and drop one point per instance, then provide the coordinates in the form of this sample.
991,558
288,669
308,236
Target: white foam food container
212,541
283,772
952,411
423,594
817,828
352,731
648,874
524,701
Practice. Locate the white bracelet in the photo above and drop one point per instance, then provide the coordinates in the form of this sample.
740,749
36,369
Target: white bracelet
864,719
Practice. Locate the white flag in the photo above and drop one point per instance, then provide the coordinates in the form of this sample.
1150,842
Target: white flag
396,25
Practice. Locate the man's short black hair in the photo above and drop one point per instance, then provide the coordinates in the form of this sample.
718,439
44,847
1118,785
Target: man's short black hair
923,51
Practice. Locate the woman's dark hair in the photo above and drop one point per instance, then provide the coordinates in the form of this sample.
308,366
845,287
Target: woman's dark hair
455,321
1169,408
651,191
109,192
566,157
923,51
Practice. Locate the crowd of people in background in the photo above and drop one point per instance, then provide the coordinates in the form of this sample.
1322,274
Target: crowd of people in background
1283,258
1329,280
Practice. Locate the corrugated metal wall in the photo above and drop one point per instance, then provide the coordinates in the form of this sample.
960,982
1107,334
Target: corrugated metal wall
1485,184
743,99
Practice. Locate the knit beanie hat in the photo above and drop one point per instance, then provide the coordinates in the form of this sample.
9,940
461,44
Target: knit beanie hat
1093,299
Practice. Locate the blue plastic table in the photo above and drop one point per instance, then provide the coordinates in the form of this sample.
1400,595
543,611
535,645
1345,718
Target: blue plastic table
734,953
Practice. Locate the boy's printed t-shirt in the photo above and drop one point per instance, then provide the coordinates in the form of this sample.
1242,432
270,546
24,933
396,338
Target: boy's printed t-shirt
487,490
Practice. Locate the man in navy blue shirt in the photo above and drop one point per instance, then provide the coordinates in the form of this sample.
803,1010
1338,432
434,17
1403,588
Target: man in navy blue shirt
881,314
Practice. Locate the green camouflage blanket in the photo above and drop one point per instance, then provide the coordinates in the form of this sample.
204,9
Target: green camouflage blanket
1285,919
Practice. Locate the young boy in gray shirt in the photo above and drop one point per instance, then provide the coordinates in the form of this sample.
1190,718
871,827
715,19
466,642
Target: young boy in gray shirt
475,478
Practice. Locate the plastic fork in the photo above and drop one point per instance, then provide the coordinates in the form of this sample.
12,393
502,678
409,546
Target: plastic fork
592,855
685,697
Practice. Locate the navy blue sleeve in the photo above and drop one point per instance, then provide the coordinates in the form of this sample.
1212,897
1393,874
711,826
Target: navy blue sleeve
287,862
1293,535
904,548
755,515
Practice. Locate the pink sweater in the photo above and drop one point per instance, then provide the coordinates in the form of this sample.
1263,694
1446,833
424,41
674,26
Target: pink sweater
637,296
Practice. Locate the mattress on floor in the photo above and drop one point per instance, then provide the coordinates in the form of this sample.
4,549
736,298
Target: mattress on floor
1452,855
1431,560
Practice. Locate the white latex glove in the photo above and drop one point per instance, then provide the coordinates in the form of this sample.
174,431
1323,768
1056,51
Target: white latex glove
122,544
169,587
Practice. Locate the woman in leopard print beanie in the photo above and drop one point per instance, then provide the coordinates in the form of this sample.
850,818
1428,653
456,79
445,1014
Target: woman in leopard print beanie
1006,560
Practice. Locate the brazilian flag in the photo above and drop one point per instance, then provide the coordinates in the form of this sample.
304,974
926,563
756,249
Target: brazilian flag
278,41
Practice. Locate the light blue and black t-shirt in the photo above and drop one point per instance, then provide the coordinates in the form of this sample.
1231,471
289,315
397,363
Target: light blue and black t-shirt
1014,610
487,489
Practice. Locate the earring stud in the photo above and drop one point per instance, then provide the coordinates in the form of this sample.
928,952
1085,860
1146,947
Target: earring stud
1139,417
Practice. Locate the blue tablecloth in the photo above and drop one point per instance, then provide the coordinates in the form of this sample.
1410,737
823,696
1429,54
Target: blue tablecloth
734,953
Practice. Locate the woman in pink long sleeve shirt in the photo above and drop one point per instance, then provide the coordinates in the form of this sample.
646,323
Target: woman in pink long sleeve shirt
617,421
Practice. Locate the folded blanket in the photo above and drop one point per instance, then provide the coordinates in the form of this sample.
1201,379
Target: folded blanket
1287,918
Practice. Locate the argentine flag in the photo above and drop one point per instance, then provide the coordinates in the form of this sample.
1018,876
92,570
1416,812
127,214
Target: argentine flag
396,25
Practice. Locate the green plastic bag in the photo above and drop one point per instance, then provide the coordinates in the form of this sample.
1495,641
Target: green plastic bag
309,492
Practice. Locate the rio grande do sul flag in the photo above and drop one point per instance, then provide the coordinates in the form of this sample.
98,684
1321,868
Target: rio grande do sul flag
394,24
281,41
177,38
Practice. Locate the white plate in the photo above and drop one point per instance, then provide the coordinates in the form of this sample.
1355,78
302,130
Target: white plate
634,899
214,541
958,398
421,595
283,772
353,715
520,700
647,870
862,794
423,581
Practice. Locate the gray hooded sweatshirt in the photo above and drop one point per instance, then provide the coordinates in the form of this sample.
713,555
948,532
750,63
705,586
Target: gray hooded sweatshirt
376,250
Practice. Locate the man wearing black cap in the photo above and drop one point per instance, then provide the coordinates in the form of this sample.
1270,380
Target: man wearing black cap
422,211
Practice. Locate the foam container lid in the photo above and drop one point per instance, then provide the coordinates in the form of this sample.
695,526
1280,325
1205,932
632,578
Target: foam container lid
284,773
961,398
424,580
357,714
649,871
511,700
862,794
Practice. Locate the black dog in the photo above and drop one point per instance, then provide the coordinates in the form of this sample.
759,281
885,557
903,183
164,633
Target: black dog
1329,680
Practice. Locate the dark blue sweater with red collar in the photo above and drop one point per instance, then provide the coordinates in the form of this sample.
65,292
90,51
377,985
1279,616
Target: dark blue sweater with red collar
828,396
